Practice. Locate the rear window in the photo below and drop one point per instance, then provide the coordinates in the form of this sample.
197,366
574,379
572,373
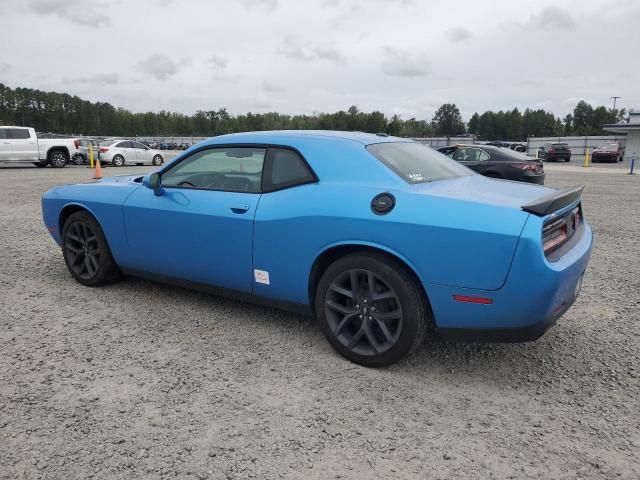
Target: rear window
561,145
417,163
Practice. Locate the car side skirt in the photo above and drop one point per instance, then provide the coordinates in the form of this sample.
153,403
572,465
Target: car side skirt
294,307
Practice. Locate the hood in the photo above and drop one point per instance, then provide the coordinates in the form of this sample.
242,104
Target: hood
121,178
489,191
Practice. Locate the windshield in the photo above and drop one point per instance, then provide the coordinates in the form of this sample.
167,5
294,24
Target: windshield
417,163
607,146
106,143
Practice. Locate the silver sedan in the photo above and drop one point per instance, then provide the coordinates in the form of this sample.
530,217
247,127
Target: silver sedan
121,152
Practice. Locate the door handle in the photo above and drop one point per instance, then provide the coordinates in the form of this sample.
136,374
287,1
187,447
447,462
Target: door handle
240,208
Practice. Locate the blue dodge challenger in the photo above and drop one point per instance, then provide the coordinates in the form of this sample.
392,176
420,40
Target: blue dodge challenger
381,238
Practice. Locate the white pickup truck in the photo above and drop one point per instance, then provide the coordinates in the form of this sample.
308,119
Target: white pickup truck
21,145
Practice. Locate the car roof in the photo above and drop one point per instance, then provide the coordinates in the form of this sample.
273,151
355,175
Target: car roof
278,136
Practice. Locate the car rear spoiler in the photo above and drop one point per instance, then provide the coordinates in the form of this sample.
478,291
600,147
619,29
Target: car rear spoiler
554,200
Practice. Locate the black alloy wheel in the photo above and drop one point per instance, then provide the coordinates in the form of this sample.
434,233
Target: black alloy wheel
86,251
371,310
364,313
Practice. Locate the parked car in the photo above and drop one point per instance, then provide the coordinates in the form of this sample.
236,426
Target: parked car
380,237
22,145
82,154
497,162
120,152
518,147
608,152
554,152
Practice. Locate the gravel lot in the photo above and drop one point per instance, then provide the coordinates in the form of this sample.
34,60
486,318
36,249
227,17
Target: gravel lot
144,380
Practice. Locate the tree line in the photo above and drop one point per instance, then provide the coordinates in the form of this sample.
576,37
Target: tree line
66,114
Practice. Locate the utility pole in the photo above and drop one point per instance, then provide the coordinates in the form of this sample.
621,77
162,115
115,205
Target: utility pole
615,116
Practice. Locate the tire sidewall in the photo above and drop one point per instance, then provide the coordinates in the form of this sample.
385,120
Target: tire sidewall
78,159
118,161
413,308
158,162
106,263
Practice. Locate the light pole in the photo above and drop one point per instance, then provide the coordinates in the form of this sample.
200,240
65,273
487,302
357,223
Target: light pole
615,116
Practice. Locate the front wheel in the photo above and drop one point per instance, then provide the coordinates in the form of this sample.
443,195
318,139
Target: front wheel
118,161
371,309
157,160
86,251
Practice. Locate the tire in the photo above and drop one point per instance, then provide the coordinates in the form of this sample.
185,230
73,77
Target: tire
567,160
86,252
78,159
58,158
117,161
353,320
157,161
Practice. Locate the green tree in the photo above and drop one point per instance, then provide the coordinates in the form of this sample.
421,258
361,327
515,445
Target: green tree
448,121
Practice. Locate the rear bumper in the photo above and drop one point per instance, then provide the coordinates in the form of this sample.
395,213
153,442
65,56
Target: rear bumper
537,179
527,333
536,294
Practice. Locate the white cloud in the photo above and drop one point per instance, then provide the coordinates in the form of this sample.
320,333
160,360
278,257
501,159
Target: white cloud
87,14
552,17
459,34
404,63
99,79
159,66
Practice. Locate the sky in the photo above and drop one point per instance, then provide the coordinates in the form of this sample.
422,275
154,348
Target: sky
403,57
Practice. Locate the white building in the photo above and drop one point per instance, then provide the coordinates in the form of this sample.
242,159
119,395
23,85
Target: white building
632,129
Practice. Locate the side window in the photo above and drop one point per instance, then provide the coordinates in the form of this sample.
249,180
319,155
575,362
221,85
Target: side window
17,133
483,156
285,168
138,146
459,155
124,145
3,133
232,169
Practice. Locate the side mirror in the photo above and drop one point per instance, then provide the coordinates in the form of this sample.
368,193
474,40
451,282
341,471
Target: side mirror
154,182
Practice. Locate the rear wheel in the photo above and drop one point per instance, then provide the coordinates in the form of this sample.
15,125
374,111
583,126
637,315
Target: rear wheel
371,309
118,161
157,160
58,159
86,251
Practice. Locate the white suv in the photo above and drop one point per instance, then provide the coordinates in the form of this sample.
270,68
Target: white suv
121,152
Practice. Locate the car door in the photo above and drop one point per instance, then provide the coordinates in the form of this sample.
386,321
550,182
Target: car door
143,154
127,151
18,144
200,228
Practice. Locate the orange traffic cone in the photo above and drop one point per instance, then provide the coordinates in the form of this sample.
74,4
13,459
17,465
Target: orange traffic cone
98,174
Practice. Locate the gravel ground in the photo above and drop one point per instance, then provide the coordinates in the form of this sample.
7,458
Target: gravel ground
143,380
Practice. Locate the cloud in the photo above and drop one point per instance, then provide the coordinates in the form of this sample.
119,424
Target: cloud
4,68
459,34
218,61
271,87
329,53
159,66
100,79
552,18
268,4
289,48
76,11
402,63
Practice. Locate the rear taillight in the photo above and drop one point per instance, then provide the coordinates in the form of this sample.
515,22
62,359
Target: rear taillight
103,149
76,143
552,150
554,234
558,231
526,166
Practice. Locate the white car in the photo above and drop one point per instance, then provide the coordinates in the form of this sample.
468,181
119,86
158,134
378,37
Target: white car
121,152
22,145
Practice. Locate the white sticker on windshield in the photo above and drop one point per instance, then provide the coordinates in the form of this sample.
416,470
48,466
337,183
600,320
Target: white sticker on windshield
416,177
261,276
